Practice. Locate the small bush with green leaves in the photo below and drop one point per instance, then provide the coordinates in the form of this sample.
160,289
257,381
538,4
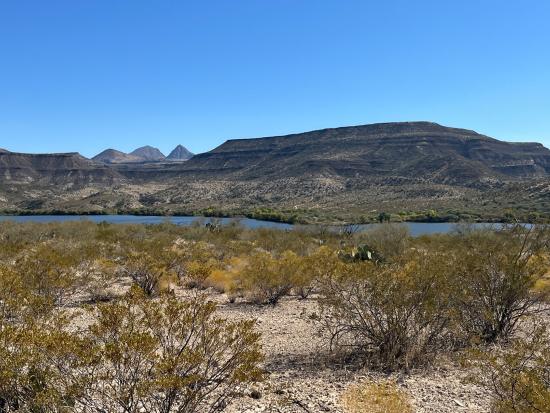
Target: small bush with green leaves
159,356
310,269
394,316
518,377
57,271
144,270
29,380
494,274
167,356
265,279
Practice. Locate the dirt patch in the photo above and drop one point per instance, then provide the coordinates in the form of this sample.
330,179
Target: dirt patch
302,376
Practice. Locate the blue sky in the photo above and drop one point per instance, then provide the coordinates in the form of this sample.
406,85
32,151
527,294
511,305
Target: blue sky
85,75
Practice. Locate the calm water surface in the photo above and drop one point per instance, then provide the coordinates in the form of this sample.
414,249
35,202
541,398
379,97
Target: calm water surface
136,219
415,228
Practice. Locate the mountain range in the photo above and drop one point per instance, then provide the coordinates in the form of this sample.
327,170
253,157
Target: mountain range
404,168
143,154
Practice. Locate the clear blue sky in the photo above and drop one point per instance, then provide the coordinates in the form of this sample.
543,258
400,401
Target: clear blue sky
85,75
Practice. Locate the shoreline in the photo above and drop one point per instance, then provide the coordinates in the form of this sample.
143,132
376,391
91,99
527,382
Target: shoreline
252,216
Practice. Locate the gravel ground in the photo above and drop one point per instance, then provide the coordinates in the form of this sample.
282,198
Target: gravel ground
302,377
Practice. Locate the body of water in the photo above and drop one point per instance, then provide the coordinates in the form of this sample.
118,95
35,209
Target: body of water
415,228
138,219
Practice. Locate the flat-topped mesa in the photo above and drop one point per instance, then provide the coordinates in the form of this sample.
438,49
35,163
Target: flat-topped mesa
405,149
53,168
378,130
45,161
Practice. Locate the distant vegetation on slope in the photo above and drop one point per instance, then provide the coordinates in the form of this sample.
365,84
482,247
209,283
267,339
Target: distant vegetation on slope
409,170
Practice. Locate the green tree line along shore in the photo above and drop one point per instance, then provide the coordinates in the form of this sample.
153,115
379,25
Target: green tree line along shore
306,216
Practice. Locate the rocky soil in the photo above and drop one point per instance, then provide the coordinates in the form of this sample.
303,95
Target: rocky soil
302,375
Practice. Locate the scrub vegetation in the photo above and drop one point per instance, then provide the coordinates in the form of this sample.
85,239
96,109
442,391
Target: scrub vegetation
120,318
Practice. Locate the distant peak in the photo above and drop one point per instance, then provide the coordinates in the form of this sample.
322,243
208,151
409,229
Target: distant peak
111,151
148,153
180,153
114,156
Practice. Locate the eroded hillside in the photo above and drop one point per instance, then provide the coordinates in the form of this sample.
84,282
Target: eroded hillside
354,171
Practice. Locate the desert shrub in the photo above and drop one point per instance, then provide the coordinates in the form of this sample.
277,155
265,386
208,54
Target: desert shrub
388,241
158,355
56,271
12,240
220,280
12,294
21,381
382,397
197,273
102,277
495,274
393,316
518,377
265,279
38,367
224,280
167,356
18,303
192,262
277,241
144,271
28,383
312,268
541,287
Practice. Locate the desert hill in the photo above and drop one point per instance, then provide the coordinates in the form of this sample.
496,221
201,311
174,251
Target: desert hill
419,149
346,172
48,169
179,153
114,156
148,153
144,154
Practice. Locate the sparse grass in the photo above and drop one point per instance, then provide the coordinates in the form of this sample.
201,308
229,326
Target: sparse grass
376,397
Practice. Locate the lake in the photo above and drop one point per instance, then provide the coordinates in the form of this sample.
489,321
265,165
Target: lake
415,228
